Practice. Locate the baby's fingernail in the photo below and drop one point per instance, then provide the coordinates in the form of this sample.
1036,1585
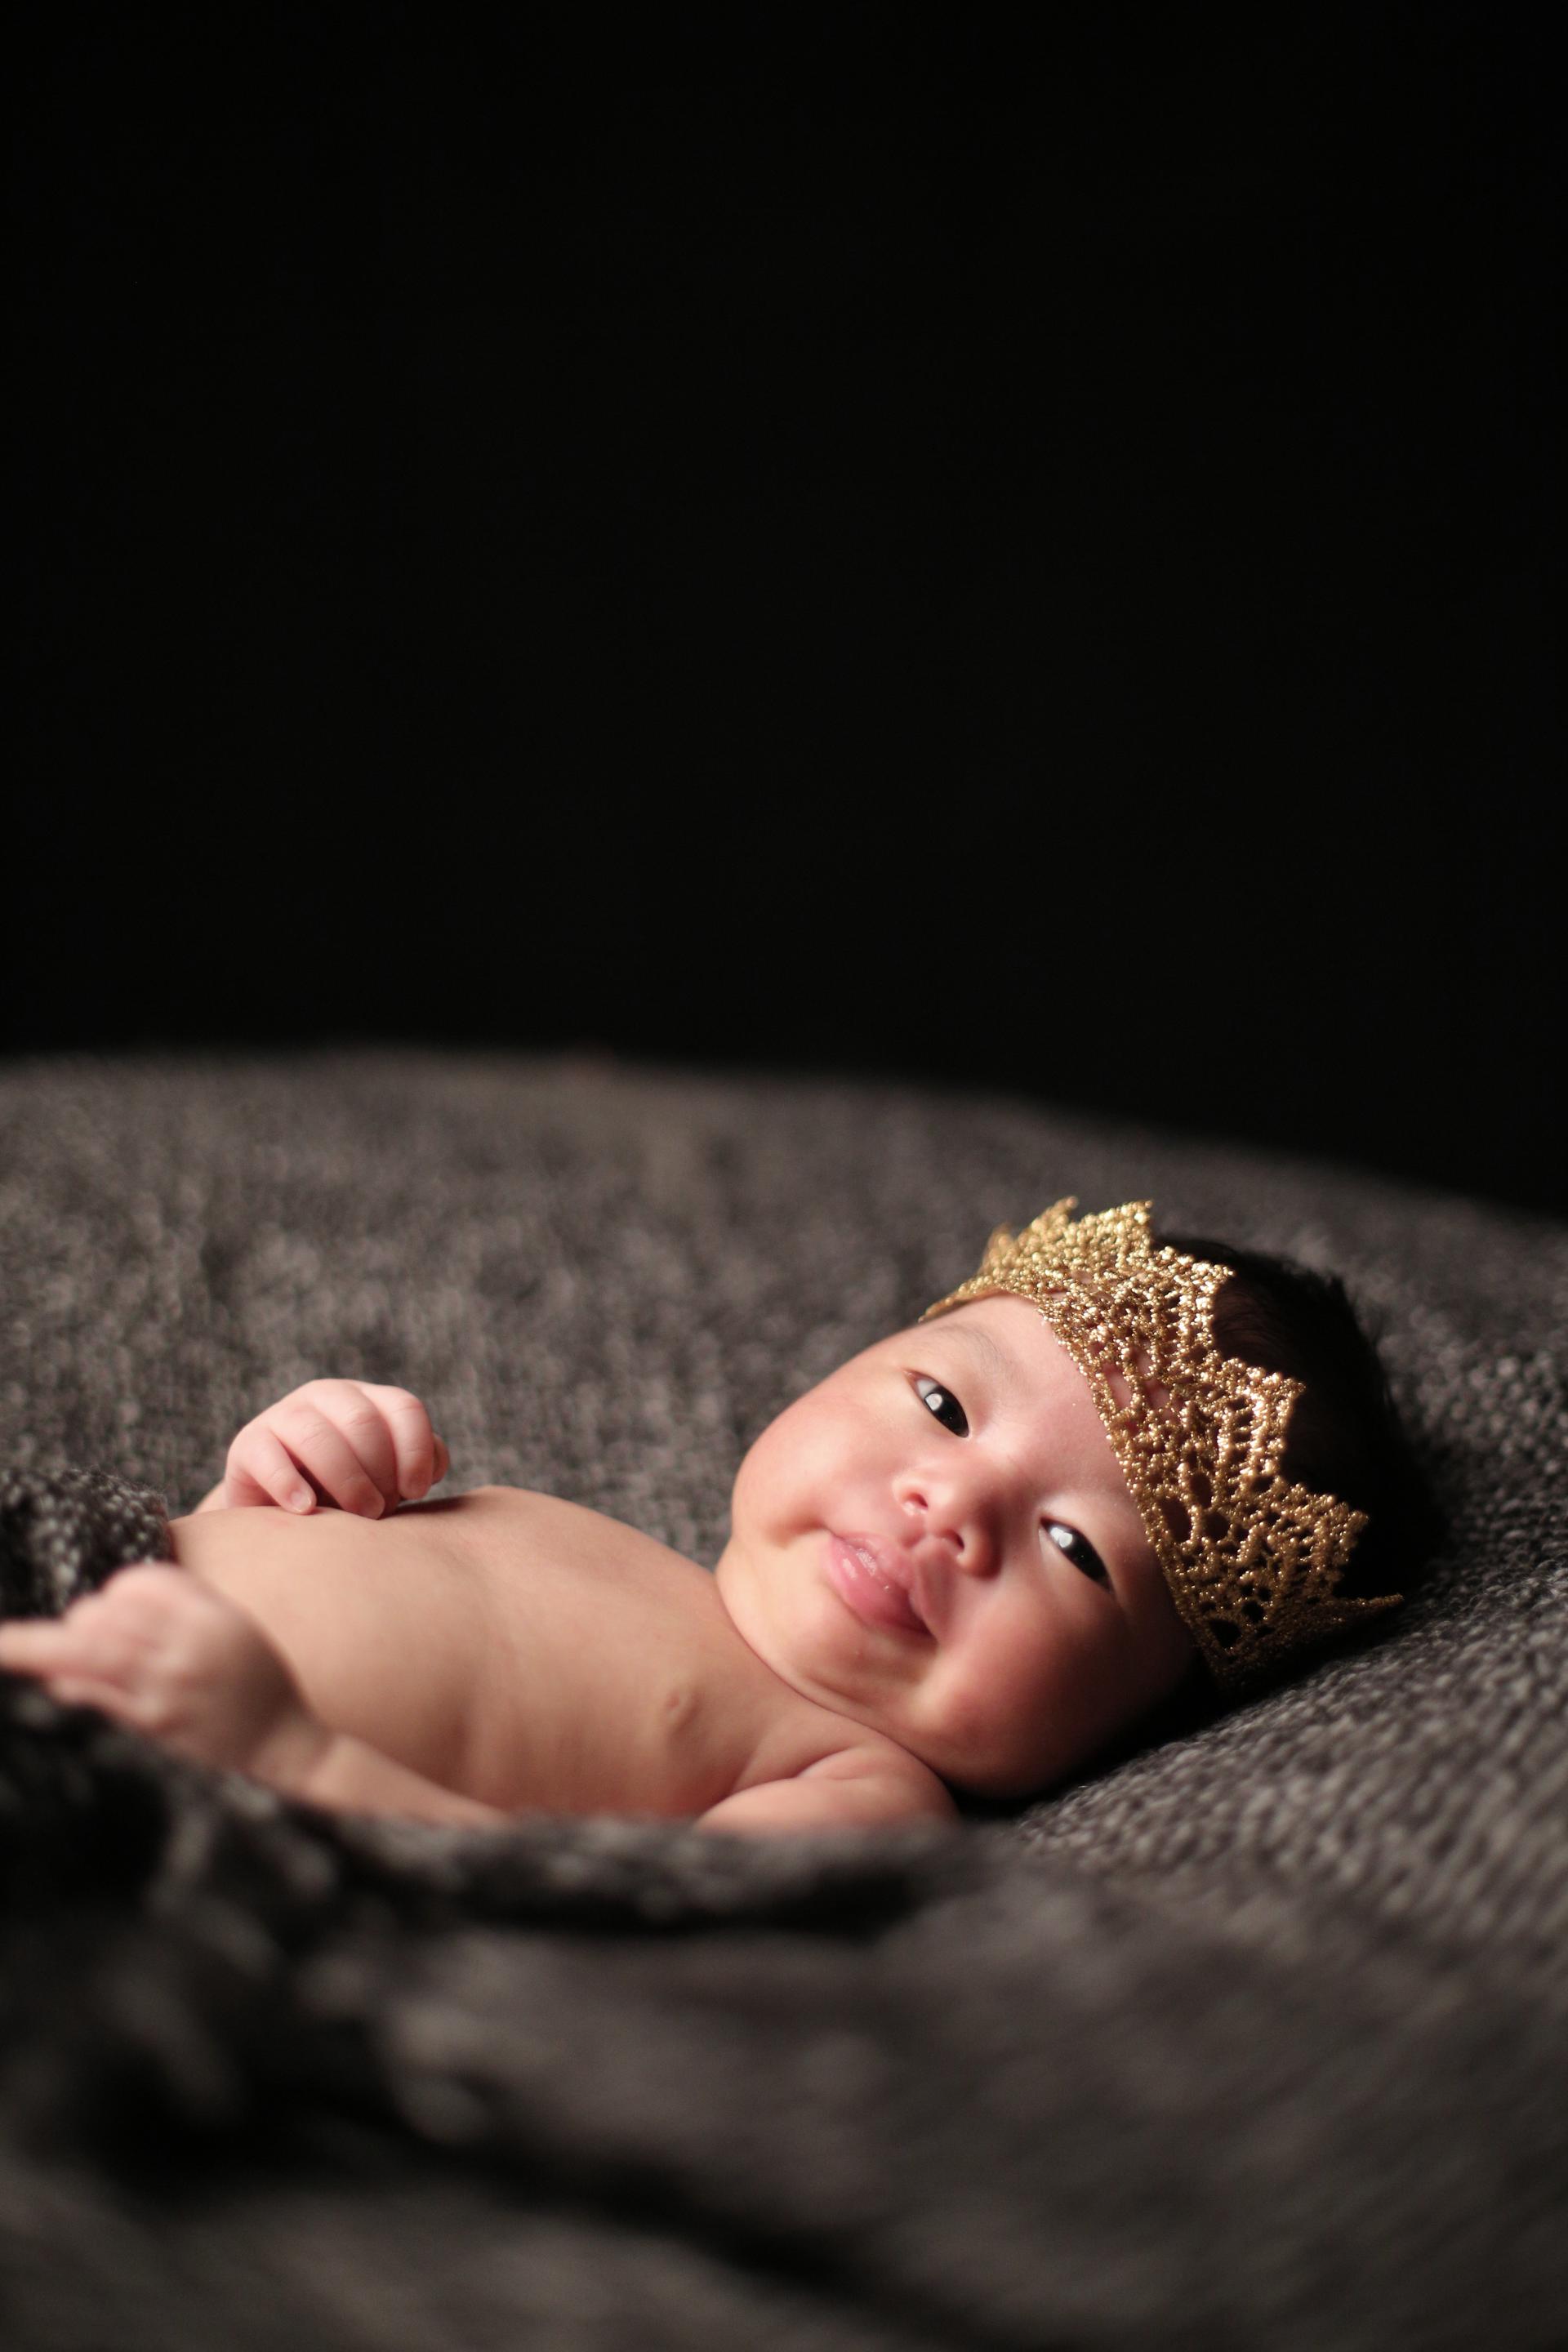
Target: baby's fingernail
300,1498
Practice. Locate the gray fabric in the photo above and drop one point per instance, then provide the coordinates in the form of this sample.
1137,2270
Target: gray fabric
1255,2036
63,1536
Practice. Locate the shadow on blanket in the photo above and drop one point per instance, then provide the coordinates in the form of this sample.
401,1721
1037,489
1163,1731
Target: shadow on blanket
1257,2034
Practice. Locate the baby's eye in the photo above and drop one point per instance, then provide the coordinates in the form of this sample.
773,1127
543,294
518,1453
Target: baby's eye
1079,1549
939,1400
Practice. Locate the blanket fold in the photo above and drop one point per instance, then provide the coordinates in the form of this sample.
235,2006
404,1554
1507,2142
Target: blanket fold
206,1965
220,1888
63,1533
1253,2036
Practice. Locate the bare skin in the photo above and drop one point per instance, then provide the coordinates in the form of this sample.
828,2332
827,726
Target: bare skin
521,1650
506,1650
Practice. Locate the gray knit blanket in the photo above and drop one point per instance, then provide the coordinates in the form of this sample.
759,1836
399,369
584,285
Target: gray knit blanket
1256,2034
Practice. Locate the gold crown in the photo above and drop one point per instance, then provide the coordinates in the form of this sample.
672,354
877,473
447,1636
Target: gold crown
1253,1562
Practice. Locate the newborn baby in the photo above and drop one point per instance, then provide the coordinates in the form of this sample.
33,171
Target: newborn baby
969,1560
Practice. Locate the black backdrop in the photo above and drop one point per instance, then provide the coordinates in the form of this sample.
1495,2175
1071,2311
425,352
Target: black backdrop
1014,547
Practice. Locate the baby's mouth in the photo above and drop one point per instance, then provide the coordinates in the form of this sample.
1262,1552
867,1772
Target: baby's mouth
864,1580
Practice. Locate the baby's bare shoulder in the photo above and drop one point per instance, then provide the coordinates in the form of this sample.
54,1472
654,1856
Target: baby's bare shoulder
866,1786
883,1762
872,1756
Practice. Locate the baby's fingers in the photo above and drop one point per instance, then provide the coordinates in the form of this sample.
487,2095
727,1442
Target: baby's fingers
422,1460
88,1648
333,1438
71,1684
364,1446
31,1645
262,1470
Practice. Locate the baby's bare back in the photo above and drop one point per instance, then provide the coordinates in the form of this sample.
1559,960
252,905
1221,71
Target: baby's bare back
518,1648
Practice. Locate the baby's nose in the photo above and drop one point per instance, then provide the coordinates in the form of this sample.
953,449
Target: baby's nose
952,1527
952,1540
969,1553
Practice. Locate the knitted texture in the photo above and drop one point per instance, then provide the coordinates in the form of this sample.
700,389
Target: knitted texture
62,1537
1255,2035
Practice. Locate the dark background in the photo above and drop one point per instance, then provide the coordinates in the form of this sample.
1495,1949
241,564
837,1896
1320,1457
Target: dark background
1008,547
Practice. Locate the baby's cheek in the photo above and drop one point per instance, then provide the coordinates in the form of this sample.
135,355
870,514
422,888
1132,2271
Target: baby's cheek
1016,1722
971,1716
748,1496
781,1466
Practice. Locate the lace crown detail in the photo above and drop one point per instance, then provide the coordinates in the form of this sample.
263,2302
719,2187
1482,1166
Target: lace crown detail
1253,1561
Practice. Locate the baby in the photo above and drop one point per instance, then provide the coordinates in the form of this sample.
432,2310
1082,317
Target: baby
972,1560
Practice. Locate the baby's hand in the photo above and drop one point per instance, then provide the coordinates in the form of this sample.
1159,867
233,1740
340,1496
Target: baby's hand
354,1444
162,1652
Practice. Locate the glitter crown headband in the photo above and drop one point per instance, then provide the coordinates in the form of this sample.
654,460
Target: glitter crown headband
1253,1561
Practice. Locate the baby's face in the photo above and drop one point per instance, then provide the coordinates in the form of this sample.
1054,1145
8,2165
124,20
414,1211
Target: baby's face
967,1458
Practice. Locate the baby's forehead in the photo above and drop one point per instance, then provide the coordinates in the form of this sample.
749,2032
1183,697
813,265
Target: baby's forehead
1022,1345
1007,1337
998,1316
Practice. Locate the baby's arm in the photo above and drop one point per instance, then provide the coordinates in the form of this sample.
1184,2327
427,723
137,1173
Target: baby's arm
356,1445
167,1655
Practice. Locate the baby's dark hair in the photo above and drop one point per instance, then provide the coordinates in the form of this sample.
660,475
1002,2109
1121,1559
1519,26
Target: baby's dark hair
1346,1437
